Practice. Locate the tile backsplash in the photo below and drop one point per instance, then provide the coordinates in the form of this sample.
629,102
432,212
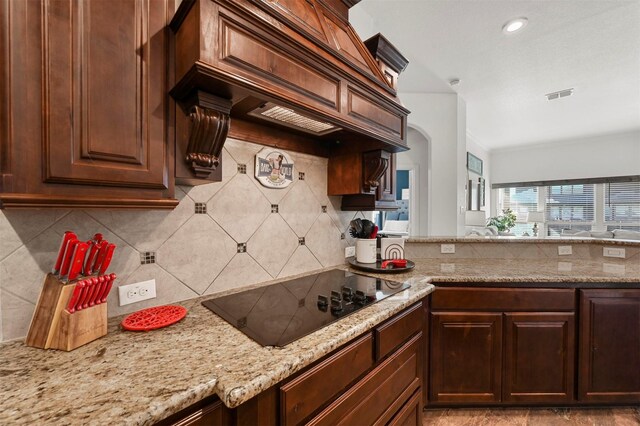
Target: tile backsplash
221,236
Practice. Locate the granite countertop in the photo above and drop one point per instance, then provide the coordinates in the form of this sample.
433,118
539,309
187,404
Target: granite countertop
588,273
523,240
141,378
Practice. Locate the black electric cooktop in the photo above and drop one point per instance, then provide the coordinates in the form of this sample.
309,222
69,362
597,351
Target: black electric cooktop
278,314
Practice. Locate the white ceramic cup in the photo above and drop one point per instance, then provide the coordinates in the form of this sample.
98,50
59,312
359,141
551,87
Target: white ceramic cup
366,250
392,248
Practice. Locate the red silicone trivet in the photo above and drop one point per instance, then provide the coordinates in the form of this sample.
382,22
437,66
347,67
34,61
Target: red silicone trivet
153,318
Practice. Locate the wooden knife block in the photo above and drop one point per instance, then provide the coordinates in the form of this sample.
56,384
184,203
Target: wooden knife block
52,327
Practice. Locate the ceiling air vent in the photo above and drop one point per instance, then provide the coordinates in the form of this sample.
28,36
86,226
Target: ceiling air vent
561,94
290,118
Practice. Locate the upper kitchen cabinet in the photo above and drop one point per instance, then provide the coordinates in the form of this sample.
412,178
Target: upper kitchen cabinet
286,73
87,117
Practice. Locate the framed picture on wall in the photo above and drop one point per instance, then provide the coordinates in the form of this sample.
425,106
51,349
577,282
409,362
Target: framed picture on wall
474,164
481,184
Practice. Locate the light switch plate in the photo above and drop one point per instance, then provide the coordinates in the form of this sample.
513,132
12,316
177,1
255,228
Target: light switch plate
565,250
447,248
613,252
137,292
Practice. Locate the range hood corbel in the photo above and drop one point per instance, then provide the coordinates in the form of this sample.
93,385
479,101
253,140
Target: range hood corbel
208,129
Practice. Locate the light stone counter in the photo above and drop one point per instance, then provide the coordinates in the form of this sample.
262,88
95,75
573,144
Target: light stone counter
141,378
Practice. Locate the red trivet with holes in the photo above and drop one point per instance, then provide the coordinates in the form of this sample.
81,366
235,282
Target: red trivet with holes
153,318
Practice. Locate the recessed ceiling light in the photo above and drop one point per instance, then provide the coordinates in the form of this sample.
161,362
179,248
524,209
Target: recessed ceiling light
514,25
454,82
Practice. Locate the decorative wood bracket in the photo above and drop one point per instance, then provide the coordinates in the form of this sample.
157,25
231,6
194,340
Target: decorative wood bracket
209,117
374,168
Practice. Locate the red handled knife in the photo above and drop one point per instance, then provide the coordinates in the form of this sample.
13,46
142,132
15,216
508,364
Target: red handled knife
91,257
78,260
66,238
97,237
105,294
83,302
97,292
102,252
67,258
107,259
71,307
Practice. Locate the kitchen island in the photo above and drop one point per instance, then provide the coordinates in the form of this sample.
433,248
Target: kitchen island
141,378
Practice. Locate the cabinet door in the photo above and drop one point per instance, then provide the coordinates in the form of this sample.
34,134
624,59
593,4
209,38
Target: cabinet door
609,358
386,192
466,357
104,85
539,357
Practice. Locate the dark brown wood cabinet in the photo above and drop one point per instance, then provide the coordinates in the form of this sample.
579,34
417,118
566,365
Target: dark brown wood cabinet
366,181
501,346
87,123
375,379
538,357
609,357
466,357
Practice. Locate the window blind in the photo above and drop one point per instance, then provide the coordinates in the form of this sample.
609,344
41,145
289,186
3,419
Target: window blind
570,203
521,200
622,205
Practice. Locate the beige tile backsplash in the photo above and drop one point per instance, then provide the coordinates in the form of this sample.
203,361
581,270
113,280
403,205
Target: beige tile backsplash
195,253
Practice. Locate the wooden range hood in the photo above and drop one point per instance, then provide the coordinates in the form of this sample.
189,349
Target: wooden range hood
287,73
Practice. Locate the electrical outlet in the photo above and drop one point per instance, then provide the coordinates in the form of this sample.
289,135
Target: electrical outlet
447,248
565,250
349,251
613,252
611,268
137,292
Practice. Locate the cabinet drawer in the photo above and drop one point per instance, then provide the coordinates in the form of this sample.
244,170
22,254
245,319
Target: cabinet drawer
393,333
308,392
377,397
504,299
410,414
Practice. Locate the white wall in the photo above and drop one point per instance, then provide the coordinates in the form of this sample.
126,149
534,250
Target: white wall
417,160
436,115
599,156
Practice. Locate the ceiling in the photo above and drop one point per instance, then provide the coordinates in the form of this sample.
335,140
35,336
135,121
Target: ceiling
591,46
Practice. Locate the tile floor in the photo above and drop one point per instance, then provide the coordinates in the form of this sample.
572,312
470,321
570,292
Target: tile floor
621,416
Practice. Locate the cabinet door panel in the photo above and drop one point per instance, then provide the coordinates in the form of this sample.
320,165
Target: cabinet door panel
105,93
610,346
539,357
466,357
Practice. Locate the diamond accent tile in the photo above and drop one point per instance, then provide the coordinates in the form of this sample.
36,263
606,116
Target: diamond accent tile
273,244
301,175
242,169
242,247
197,252
241,271
302,261
301,241
239,208
323,239
315,174
205,192
146,231
168,290
201,208
147,257
274,208
300,208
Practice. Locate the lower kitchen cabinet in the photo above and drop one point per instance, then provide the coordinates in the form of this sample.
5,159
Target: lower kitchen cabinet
539,357
466,356
609,358
484,351
375,379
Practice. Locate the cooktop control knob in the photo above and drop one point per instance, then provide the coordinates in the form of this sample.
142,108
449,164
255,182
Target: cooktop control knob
347,293
360,298
336,295
336,306
323,303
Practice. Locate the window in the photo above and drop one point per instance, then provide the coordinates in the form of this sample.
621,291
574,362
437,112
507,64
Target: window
622,205
570,203
521,200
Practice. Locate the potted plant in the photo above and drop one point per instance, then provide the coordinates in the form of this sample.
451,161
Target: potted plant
503,222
